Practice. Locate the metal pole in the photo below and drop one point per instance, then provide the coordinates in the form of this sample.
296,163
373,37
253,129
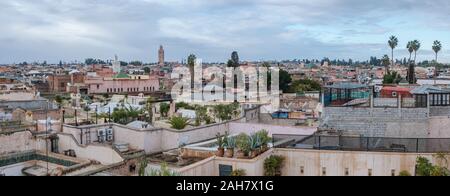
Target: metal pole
109,114
46,136
76,119
96,114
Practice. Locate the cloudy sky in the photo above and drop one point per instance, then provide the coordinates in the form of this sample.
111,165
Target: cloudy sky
37,30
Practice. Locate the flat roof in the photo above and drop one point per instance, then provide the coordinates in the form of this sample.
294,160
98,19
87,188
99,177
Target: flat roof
347,85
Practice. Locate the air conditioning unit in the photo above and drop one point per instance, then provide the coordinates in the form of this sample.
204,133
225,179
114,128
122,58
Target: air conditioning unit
109,131
109,134
101,134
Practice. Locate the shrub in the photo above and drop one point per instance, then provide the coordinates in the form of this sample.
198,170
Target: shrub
425,168
242,142
178,123
273,165
404,173
239,172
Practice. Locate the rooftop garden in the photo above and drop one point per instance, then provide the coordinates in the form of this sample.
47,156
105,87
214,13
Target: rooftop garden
243,146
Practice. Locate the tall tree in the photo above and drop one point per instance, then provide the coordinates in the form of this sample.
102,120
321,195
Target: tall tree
410,48
234,61
385,61
191,64
416,46
437,46
393,43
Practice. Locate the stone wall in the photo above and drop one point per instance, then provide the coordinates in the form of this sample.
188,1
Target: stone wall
19,141
377,122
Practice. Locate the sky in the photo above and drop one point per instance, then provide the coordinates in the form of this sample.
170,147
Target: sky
70,30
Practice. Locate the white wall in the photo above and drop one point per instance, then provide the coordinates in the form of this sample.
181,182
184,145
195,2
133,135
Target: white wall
102,153
249,128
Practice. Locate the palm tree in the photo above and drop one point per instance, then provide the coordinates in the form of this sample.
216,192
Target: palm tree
437,46
393,43
410,49
416,47
412,46
191,64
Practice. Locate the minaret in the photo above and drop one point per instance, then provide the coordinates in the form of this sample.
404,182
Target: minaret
161,56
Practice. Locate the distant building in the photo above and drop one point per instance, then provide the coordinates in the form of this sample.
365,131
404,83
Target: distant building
122,83
395,92
161,56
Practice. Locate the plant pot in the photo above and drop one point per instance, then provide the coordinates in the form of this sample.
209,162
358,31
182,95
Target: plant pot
253,154
240,155
264,148
220,152
229,153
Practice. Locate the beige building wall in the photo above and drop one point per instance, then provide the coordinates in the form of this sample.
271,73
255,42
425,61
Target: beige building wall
20,141
103,154
337,163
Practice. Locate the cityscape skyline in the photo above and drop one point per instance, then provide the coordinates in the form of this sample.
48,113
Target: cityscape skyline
50,30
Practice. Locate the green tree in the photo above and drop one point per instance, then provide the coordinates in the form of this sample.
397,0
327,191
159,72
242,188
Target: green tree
285,80
410,47
425,168
191,64
437,47
393,43
136,63
164,109
300,86
386,61
416,46
147,70
59,100
392,78
125,115
178,123
226,112
234,61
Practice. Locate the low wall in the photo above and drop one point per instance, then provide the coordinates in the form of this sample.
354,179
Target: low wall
19,142
210,166
337,163
236,127
103,154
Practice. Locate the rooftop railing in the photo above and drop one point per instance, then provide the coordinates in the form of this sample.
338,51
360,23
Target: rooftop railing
367,144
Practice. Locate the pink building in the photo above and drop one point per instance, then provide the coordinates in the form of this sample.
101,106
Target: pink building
122,83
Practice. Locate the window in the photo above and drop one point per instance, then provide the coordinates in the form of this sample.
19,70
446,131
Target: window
225,170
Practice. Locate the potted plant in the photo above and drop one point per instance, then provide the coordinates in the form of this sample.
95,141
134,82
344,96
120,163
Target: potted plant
255,144
265,139
220,142
231,145
239,172
242,143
